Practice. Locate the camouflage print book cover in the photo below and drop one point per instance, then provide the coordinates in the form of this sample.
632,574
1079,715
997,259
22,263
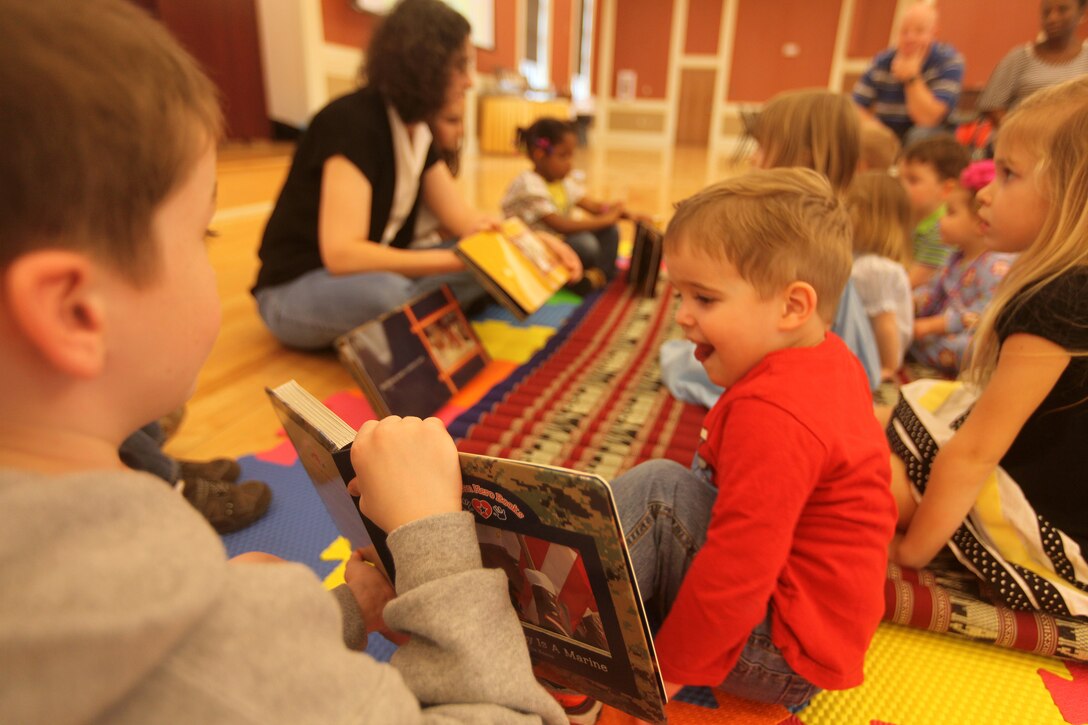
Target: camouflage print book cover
556,534
412,360
553,531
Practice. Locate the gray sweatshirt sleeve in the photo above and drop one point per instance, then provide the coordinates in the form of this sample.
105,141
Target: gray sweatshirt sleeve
467,646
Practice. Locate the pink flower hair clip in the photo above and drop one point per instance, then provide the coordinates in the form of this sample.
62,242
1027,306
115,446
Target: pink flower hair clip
977,175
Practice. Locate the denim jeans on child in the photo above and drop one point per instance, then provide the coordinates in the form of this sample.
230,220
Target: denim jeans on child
142,451
665,509
311,311
597,249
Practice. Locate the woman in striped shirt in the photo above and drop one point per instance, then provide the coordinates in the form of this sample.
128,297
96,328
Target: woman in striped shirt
1057,56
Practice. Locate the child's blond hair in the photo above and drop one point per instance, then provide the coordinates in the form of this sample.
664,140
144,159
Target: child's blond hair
880,146
880,211
815,129
776,226
1052,126
103,115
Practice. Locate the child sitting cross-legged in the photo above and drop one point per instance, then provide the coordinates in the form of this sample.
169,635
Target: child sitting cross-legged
949,306
763,565
118,603
545,197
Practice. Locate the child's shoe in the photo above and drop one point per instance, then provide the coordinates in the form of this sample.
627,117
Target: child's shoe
227,506
217,469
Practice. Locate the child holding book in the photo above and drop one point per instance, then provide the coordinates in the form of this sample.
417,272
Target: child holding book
546,195
118,602
949,305
995,471
764,564
880,213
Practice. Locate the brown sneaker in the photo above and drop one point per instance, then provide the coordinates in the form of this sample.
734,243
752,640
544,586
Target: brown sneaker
227,506
217,469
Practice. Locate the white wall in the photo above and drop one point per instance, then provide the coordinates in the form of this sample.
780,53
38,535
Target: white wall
301,70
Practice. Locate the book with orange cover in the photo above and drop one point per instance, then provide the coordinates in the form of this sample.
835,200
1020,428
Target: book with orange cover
515,266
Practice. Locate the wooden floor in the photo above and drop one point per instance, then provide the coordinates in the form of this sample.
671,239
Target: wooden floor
229,413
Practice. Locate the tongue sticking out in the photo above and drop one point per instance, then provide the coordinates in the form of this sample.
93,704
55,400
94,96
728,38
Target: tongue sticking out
703,351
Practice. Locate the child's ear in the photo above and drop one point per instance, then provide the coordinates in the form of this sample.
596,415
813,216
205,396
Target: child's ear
799,305
53,301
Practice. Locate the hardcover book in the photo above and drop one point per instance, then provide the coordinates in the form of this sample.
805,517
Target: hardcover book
556,535
515,266
412,360
645,260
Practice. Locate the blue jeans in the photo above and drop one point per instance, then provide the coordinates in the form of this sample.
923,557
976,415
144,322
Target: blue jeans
311,311
142,451
597,249
665,509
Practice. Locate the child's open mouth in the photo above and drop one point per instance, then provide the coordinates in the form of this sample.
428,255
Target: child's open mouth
703,351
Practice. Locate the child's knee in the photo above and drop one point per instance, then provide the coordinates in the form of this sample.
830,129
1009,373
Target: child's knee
651,474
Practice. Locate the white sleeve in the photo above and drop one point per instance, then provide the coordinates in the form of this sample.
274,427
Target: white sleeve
877,280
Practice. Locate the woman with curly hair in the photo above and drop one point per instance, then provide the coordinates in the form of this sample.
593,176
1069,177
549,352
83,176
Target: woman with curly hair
335,250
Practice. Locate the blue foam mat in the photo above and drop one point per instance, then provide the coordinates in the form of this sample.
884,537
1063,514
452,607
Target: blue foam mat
297,527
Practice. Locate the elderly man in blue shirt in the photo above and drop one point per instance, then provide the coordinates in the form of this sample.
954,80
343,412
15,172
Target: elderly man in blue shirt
913,87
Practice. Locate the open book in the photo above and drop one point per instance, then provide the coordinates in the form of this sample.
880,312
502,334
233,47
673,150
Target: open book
553,531
515,266
412,360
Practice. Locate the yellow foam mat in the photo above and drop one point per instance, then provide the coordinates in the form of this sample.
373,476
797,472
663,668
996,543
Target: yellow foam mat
914,677
923,678
506,342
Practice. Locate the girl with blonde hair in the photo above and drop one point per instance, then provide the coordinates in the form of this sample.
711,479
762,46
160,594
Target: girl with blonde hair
880,213
813,128
998,475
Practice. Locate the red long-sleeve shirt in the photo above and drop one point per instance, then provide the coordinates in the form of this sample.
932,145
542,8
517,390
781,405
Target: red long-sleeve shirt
801,523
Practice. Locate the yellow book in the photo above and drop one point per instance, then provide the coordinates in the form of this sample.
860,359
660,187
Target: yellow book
515,266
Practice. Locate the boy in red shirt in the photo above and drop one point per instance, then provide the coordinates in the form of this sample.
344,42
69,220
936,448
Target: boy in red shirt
764,564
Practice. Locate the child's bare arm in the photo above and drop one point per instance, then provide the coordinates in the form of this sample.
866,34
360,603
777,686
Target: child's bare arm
886,331
568,225
604,207
920,274
1027,369
927,326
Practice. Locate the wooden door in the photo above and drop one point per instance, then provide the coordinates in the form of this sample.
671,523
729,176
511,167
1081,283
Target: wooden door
696,106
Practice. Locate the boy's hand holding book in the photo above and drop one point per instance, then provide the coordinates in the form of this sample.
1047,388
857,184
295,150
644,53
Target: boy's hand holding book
368,583
407,469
